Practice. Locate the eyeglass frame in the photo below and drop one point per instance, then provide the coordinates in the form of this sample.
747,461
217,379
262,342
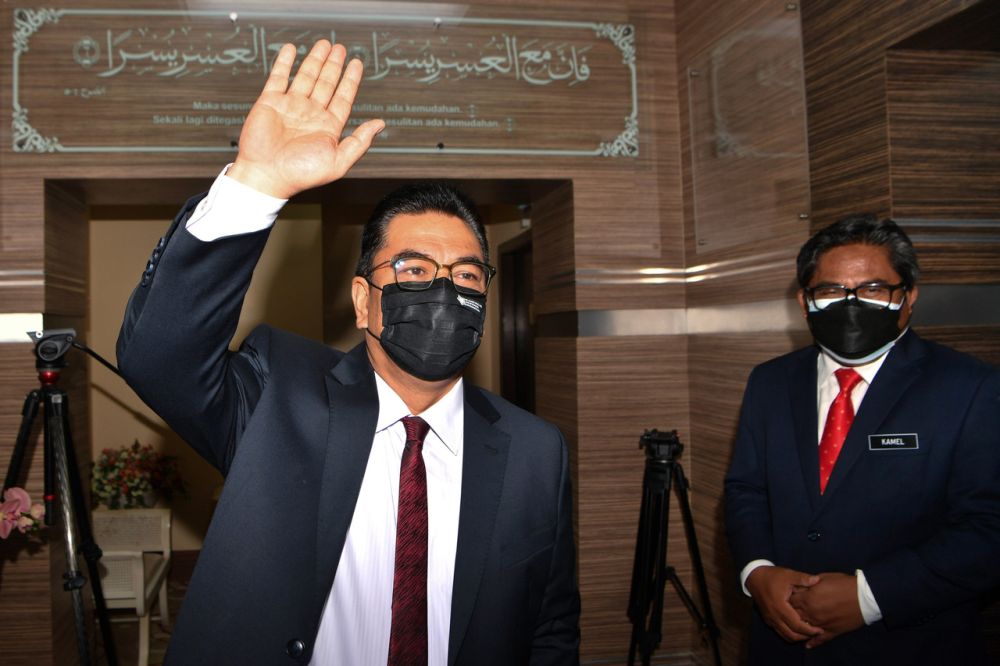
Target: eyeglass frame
810,292
491,271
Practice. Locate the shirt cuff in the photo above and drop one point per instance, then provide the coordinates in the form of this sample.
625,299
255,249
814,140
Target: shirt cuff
748,569
232,209
866,599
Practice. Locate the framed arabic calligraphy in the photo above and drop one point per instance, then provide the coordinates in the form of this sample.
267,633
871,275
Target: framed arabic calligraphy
185,80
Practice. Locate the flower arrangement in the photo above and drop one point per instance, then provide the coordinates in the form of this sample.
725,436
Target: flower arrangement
17,511
133,476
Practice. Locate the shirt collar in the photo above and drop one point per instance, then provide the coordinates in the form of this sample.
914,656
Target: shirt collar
446,417
827,366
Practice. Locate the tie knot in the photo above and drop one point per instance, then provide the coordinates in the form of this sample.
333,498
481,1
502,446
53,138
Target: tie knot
416,429
848,379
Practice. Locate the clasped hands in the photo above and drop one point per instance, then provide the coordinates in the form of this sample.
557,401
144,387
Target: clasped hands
806,607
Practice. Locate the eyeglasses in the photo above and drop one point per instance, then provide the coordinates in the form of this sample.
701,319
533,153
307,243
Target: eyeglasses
875,293
416,272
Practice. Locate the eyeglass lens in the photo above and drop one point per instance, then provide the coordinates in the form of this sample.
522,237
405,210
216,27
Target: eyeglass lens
876,294
417,273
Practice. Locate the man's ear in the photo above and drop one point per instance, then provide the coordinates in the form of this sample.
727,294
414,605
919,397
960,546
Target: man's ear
801,295
911,296
359,296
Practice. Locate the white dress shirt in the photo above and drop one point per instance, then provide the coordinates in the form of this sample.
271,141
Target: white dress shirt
358,614
356,621
827,388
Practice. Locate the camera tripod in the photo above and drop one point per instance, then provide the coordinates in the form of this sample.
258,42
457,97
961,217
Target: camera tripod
650,572
62,482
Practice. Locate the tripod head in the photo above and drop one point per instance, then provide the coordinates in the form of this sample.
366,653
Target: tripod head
50,352
661,447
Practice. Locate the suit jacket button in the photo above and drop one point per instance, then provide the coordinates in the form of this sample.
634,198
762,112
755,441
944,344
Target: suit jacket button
814,536
295,648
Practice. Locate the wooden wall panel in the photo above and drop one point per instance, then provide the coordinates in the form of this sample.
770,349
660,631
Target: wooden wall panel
983,342
22,284
944,134
844,47
66,251
553,250
754,270
25,593
625,386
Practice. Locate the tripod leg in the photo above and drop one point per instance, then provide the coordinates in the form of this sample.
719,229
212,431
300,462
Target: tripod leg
699,570
655,629
55,439
646,596
28,414
638,603
88,547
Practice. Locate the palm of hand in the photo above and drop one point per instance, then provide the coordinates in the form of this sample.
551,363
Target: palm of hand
296,137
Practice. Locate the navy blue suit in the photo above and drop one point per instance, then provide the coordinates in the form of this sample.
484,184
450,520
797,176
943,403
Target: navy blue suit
290,423
913,501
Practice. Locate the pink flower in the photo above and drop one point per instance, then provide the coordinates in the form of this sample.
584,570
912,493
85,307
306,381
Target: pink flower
37,511
17,498
17,511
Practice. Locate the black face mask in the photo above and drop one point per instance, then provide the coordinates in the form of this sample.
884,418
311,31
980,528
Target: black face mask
431,334
854,329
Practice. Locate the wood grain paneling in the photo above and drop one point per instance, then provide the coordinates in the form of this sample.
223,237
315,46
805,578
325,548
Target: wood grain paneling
25,594
844,46
944,134
553,250
756,267
625,386
66,253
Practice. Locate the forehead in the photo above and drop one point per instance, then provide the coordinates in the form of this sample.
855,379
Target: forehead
438,235
854,264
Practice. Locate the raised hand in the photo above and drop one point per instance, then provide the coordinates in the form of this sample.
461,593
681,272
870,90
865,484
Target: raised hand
291,140
771,589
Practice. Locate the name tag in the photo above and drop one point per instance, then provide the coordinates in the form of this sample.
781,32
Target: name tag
895,442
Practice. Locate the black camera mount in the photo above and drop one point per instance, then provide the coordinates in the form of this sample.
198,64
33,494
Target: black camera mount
62,484
650,571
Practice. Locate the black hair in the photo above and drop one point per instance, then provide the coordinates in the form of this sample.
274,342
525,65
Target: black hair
863,230
414,199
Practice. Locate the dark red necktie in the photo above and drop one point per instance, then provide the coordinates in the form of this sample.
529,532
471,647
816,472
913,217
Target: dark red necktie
838,422
408,636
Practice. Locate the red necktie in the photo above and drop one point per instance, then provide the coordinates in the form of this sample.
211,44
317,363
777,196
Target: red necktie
838,422
408,636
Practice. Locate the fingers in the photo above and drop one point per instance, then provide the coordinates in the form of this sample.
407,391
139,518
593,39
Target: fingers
805,580
784,620
309,70
277,80
329,75
798,626
352,148
343,100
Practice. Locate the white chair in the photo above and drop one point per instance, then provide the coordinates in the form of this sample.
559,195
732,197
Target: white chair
136,546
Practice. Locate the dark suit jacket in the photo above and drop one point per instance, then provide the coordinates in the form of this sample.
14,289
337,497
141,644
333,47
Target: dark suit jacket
290,423
922,523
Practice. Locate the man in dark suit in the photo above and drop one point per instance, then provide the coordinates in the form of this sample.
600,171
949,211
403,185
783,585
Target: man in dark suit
863,499
376,508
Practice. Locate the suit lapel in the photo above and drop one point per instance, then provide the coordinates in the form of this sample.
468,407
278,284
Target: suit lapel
483,469
900,369
353,414
803,399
